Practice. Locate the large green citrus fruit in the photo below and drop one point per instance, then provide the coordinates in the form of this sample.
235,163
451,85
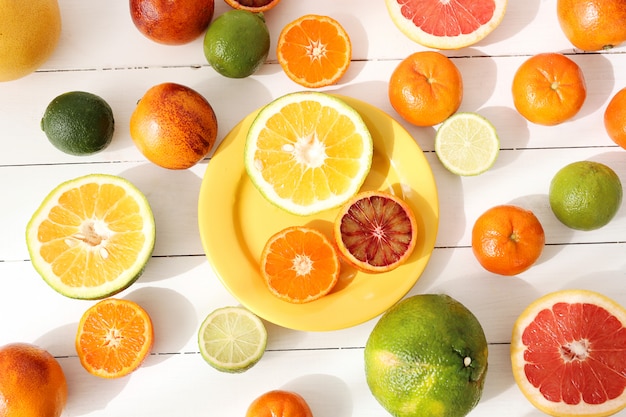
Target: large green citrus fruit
237,43
78,123
427,356
585,195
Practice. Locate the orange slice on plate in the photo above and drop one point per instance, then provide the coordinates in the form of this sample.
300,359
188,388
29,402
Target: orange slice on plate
568,352
446,24
299,264
114,337
314,51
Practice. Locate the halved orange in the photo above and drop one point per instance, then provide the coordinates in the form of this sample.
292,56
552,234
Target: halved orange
92,236
254,6
299,264
568,352
375,231
314,51
114,337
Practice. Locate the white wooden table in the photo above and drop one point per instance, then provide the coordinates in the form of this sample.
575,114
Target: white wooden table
102,52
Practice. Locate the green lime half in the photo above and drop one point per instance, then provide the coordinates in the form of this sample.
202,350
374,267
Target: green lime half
78,123
467,144
232,339
237,43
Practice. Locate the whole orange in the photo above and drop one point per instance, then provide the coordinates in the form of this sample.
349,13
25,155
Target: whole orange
426,88
32,383
173,126
615,118
592,25
279,403
507,239
548,89
172,22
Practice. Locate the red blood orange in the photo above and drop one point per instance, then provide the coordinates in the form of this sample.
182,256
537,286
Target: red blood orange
375,231
568,352
449,24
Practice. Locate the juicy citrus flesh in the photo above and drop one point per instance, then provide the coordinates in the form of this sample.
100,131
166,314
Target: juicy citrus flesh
467,144
549,89
376,231
426,88
114,337
615,118
173,126
507,239
237,43
427,355
92,236
568,352
279,403
307,152
585,195
32,382
446,24
314,51
300,264
78,123
592,25
232,339
255,6
29,36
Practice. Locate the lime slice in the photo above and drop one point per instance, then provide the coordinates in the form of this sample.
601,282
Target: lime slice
467,144
232,339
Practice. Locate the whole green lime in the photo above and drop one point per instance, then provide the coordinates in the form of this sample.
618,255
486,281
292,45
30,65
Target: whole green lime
237,43
585,195
78,123
427,356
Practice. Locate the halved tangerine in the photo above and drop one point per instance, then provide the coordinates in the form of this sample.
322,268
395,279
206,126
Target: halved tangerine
375,231
568,352
299,264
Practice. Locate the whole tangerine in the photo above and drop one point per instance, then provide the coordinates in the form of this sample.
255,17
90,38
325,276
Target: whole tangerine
279,403
507,239
615,118
593,25
32,382
173,126
549,88
426,88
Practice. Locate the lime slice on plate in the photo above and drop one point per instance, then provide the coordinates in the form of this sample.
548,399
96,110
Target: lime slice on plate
467,144
232,339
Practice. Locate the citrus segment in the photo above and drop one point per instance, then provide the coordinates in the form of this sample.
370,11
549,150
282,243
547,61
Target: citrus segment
314,51
254,6
467,144
307,152
232,339
446,24
114,338
299,264
375,231
568,352
91,236
427,356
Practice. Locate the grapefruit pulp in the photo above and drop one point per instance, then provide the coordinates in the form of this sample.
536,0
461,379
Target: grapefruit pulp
451,24
568,352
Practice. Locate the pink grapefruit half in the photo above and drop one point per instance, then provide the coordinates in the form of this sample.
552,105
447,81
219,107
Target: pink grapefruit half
568,353
446,24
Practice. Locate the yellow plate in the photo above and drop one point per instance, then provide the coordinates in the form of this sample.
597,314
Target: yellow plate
235,221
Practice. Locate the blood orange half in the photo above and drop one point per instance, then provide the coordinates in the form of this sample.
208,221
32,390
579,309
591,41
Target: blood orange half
568,353
450,24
